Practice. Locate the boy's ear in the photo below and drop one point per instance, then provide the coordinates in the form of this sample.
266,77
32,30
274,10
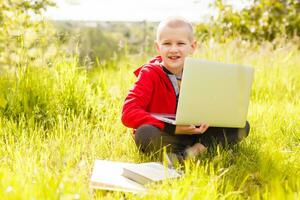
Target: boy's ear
157,46
194,46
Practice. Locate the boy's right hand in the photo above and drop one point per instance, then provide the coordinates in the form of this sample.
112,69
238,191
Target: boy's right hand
191,129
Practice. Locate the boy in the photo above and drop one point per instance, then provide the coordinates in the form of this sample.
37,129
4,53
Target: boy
156,91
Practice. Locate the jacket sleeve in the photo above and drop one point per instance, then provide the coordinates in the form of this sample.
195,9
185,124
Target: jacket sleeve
134,112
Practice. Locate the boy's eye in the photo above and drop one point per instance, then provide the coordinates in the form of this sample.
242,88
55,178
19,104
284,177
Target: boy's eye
166,43
181,43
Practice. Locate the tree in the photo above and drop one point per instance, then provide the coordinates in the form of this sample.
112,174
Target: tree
263,20
24,36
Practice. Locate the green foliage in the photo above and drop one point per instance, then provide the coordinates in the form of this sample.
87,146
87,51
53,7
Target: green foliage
54,122
90,43
41,94
94,43
24,37
102,42
262,20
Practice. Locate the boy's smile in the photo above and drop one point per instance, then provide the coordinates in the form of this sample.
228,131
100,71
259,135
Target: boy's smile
173,45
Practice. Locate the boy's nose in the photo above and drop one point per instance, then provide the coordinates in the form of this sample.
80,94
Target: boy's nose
173,48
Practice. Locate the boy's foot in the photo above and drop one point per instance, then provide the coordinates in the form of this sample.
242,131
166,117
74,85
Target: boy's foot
174,159
195,150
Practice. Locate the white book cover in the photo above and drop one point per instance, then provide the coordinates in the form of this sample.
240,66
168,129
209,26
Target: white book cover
107,175
145,173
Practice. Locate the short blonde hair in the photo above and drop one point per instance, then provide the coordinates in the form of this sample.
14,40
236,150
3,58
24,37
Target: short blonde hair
175,22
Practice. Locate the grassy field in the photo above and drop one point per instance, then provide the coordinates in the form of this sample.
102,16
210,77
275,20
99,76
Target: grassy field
54,122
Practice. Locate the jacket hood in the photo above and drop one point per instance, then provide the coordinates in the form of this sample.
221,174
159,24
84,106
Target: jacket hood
154,63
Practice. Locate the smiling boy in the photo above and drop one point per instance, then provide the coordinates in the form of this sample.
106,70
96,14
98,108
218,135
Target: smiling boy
156,91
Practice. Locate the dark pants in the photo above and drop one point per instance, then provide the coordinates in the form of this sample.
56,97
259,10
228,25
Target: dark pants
151,139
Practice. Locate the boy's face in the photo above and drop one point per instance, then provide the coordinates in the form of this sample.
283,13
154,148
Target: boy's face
173,45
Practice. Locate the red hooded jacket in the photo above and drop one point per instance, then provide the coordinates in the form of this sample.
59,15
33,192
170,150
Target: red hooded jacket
153,92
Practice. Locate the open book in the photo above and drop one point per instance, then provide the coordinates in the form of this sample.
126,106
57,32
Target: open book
127,177
107,175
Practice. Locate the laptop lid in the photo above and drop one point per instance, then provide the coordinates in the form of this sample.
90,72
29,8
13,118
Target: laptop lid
215,93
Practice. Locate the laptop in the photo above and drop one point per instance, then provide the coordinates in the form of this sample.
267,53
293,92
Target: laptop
213,92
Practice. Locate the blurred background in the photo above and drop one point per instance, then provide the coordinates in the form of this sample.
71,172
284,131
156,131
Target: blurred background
102,31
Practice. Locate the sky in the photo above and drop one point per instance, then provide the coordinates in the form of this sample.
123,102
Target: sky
133,10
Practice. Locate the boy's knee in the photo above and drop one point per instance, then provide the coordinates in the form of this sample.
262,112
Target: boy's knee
147,138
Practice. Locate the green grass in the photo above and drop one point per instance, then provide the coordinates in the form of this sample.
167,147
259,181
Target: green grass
54,122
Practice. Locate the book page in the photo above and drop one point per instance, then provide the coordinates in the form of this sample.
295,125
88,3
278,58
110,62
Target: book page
107,175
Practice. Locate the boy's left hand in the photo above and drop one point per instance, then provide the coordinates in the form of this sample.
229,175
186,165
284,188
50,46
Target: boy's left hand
192,129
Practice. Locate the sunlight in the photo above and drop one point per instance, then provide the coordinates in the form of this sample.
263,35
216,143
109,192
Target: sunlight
131,10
